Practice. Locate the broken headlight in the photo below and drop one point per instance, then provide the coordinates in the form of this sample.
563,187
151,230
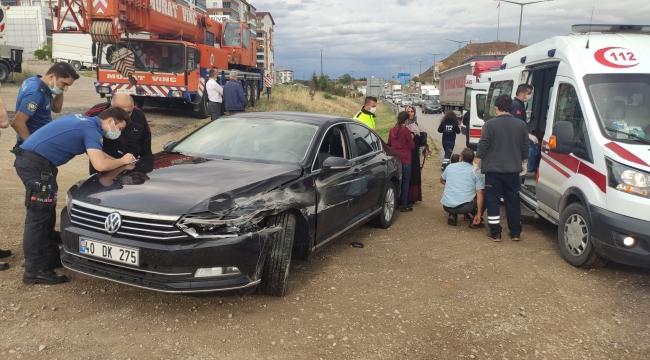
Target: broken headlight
212,226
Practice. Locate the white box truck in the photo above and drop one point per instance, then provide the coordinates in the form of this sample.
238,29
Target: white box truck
453,81
75,49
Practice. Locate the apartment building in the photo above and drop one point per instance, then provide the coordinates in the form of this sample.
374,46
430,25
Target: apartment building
284,76
265,57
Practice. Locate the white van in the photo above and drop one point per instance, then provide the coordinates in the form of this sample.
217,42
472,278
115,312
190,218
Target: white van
591,111
475,96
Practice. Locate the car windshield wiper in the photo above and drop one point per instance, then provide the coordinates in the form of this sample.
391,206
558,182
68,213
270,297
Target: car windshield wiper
630,135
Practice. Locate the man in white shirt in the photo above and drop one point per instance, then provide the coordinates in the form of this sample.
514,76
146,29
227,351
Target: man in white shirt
215,94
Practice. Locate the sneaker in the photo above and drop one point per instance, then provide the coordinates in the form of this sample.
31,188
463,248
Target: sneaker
467,217
5,253
47,277
405,209
452,220
479,226
494,237
3,266
514,237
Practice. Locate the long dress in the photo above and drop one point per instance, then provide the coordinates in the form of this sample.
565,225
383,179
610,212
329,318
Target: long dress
415,189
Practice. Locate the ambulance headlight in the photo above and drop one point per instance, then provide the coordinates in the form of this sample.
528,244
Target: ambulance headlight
627,179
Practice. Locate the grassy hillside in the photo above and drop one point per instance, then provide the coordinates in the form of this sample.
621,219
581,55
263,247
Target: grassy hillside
293,98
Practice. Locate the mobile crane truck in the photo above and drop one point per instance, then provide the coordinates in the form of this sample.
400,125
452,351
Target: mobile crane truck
159,51
11,57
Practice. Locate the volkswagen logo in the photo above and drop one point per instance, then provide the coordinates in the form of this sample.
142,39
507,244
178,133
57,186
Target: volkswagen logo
113,222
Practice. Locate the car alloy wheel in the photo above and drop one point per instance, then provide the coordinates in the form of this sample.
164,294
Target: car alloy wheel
576,235
389,204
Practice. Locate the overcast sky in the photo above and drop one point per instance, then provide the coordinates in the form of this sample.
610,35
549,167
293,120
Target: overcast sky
369,36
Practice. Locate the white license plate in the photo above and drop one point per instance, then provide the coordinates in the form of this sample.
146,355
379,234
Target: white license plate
110,252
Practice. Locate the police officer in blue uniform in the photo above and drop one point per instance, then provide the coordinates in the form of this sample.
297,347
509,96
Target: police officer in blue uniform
37,98
37,159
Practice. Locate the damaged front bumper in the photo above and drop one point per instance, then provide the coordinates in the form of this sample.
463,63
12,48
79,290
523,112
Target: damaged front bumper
177,266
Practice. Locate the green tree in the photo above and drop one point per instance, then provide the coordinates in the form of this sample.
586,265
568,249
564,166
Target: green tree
416,79
45,52
346,79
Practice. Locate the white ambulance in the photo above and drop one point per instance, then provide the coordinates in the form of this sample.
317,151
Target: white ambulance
475,96
591,112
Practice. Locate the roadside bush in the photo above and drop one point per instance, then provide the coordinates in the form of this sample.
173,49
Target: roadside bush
45,52
328,96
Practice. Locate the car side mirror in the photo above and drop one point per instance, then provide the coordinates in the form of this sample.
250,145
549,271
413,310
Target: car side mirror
561,140
169,144
335,164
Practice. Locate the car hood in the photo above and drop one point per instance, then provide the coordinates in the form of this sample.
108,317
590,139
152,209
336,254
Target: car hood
176,184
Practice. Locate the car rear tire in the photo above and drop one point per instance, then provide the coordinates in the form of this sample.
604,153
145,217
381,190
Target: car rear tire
574,238
388,206
275,275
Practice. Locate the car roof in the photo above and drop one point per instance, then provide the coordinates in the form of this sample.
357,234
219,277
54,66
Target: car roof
302,117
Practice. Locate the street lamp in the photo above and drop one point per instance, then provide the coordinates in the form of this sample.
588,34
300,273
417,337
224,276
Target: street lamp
521,14
321,62
433,69
419,61
459,43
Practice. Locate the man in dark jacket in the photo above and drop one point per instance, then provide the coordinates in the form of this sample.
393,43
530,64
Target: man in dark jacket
503,154
523,95
234,98
135,138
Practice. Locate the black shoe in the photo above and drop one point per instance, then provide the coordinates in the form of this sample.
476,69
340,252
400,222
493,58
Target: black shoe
47,277
405,209
514,237
3,266
452,220
479,226
494,237
5,253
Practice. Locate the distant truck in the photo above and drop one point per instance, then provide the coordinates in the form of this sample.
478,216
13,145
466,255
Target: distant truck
11,57
431,94
397,88
75,49
424,88
454,80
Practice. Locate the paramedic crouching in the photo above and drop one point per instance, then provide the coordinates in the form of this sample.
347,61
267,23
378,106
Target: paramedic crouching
36,163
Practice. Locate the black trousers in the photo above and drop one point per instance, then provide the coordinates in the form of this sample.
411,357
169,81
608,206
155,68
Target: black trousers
215,109
39,245
499,185
466,208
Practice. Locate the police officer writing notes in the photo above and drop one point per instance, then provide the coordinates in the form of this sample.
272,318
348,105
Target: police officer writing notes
503,152
136,136
36,163
39,96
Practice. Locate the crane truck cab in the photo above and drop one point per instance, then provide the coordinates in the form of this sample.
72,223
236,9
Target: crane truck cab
589,109
475,95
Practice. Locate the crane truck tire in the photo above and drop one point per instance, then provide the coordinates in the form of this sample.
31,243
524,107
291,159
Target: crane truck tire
201,109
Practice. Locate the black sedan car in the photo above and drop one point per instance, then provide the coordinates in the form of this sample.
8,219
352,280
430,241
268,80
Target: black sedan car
431,106
228,206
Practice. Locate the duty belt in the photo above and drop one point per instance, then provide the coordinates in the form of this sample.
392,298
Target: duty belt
34,157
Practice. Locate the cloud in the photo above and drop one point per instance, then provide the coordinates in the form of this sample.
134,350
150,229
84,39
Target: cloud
371,36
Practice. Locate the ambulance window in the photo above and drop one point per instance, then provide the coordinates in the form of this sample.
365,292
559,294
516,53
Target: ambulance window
568,109
480,105
496,88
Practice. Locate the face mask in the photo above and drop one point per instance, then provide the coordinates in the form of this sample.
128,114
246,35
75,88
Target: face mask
112,135
528,97
372,110
54,89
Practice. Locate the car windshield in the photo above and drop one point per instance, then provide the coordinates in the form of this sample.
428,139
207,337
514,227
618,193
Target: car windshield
259,139
622,104
150,56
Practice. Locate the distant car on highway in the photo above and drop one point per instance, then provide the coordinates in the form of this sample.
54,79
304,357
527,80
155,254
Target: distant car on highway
406,101
416,101
431,106
397,100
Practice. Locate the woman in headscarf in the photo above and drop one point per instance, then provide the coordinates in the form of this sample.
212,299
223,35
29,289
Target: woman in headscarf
420,139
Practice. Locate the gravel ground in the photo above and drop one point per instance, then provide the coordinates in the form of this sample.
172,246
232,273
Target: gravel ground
419,290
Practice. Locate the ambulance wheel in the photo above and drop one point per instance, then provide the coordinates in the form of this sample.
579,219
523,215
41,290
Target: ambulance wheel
4,73
574,238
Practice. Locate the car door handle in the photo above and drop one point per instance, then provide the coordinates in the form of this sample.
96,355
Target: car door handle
477,125
546,148
383,161
357,170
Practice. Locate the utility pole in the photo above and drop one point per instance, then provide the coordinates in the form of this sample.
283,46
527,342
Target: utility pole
321,62
433,69
459,43
521,14
352,75
419,61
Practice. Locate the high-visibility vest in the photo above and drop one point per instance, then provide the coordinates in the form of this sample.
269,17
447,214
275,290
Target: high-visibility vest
367,119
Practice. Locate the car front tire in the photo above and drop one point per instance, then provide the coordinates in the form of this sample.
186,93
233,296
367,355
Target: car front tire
388,206
574,238
275,275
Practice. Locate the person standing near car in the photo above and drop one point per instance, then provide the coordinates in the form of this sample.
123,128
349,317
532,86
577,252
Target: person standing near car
502,156
367,113
215,94
37,162
134,139
420,140
522,97
448,128
38,97
400,138
4,123
234,98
